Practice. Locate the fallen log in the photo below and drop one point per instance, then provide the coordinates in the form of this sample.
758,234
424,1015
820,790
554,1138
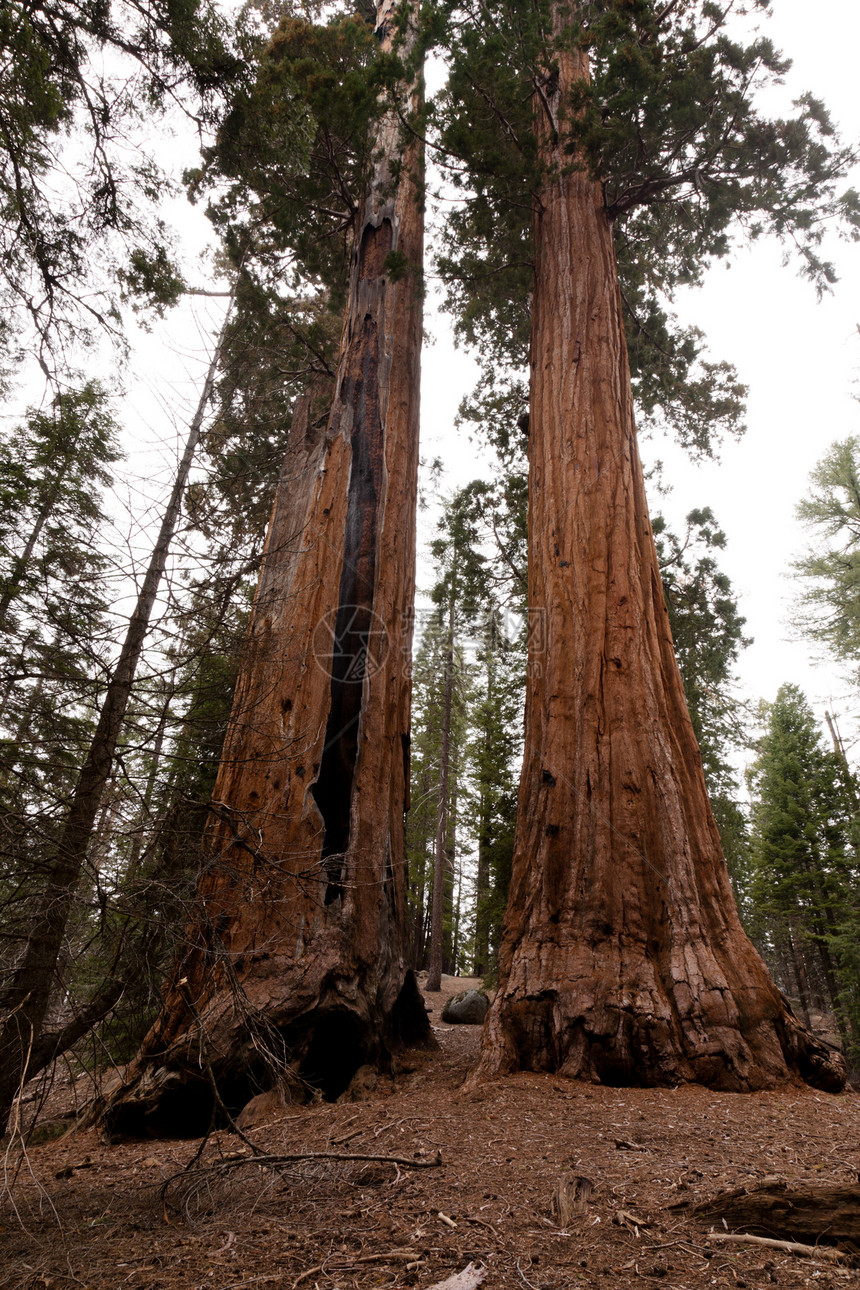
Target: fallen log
829,1214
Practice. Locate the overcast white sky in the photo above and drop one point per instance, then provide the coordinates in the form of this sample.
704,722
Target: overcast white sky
800,358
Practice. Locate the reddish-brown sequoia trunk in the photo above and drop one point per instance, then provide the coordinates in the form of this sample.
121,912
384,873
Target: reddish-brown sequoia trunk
623,959
298,956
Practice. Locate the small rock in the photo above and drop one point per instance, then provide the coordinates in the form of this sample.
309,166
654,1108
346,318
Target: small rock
48,1131
260,1108
466,1009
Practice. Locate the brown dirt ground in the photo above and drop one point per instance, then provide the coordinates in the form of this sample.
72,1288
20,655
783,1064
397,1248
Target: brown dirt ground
80,1212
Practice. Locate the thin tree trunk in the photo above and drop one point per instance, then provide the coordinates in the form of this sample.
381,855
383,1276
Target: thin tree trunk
416,931
149,790
453,875
799,972
440,850
482,881
297,959
623,959
26,995
455,933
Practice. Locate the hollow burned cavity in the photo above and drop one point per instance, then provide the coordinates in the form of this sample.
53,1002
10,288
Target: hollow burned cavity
356,643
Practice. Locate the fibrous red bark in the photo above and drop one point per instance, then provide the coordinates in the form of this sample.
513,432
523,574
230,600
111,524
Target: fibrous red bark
297,957
623,959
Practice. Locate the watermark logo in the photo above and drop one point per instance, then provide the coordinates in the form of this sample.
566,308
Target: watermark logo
351,643
499,628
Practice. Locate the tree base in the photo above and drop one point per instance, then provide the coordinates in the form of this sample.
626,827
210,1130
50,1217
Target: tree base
230,1051
730,1049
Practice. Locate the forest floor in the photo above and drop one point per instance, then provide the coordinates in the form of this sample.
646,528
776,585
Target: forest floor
79,1212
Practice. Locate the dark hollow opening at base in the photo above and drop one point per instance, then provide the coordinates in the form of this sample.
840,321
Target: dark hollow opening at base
184,1110
181,1112
409,1024
334,1053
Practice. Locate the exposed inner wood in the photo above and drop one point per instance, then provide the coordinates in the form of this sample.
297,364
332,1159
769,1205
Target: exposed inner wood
356,636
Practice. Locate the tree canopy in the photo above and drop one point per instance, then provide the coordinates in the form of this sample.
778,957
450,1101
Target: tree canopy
669,125
829,572
79,82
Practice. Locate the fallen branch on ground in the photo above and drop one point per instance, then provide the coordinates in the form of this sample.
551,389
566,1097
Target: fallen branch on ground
189,1178
806,1214
299,1156
342,1261
822,1252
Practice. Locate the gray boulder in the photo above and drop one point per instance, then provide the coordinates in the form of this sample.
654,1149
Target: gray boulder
466,1009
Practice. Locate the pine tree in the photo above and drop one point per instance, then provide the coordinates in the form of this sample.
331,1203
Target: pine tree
829,572
439,679
26,992
804,871
495,746
707,633
80,71
54,598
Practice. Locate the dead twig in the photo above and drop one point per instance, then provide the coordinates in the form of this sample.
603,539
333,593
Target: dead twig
531,1285
624,1218
347,1137
343,1261
299,1156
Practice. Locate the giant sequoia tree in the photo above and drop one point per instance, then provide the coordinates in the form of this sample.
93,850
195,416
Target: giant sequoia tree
623,958
296,956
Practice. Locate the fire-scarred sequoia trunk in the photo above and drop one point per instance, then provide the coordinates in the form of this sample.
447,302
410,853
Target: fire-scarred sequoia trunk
297,958
623,959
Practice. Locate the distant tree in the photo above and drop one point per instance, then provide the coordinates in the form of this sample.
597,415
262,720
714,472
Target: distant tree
53,471
707,633
804,884
26,989
495,744
433,828
171,750
829,572
54,626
